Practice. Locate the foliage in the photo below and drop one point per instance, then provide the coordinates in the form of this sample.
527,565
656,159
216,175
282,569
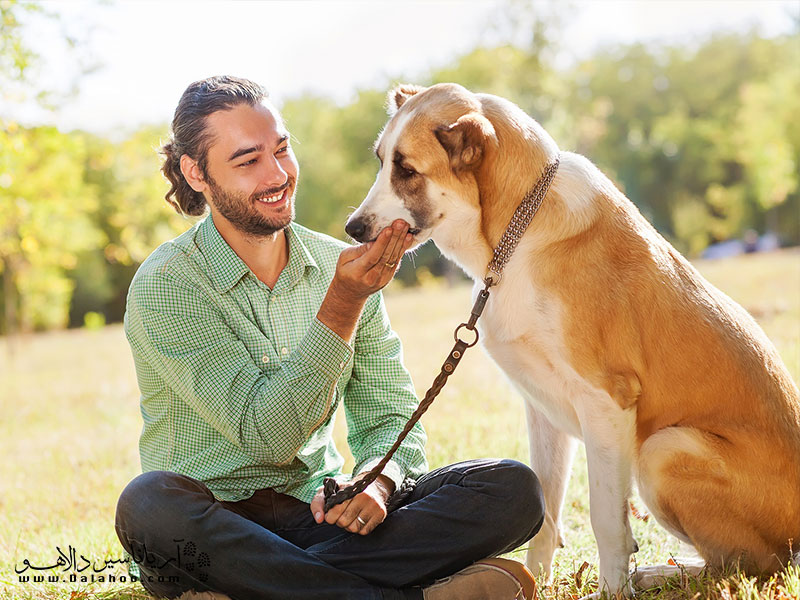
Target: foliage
703,141
703,138
44,221
44,204
131,217
15,57
333,145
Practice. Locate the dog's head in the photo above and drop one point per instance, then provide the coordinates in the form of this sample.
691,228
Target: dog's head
430,150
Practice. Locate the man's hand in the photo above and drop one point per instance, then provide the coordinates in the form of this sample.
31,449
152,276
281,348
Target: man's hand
361,514
362,270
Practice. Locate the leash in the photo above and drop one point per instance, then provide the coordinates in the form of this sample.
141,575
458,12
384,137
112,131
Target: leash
502,253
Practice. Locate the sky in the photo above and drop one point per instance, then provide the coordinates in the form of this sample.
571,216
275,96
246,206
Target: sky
149,51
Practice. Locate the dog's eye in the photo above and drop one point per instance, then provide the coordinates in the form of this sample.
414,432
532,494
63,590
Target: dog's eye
403,171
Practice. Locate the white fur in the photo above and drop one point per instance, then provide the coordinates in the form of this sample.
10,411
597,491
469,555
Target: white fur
381,201
518,318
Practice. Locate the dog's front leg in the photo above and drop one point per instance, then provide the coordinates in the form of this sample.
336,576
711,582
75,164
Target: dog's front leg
551,452
609,435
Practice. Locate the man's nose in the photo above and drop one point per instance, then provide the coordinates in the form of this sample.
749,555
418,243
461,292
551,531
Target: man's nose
274,175
356,228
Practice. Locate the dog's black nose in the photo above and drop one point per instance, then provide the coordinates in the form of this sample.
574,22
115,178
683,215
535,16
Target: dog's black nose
356,229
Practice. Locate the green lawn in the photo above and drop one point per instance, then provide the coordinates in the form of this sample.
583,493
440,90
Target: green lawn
70,422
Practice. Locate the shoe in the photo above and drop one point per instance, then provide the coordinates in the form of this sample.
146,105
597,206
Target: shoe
193,595
487,579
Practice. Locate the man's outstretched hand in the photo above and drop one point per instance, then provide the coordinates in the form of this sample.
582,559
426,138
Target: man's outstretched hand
362,270
361,514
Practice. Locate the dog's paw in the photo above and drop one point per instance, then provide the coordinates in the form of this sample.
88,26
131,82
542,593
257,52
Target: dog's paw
622,595
657,575
540,567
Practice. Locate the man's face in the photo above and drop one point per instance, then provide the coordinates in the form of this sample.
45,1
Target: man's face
251,170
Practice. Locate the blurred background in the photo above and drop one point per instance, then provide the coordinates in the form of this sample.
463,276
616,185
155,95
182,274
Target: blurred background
690,107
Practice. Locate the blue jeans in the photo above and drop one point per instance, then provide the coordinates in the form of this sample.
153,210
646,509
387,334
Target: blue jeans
269,546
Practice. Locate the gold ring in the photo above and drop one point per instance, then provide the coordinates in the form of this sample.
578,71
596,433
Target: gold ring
390,264
362,521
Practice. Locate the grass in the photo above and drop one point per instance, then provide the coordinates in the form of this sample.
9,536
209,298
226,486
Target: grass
69,425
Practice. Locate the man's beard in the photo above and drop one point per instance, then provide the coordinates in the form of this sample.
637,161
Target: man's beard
239,209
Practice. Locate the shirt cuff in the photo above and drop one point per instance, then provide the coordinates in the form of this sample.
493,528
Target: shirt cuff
392,470
325,349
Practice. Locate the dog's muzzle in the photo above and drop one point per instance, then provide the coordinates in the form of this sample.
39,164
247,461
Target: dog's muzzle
357,229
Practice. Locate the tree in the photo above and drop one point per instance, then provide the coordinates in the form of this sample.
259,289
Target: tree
42,196
44,223
130,216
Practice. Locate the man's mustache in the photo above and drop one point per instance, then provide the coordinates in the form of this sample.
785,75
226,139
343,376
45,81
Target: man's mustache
272,191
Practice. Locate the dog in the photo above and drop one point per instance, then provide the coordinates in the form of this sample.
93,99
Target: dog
609,334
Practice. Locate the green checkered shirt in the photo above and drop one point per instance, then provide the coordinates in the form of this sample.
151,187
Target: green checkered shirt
239,382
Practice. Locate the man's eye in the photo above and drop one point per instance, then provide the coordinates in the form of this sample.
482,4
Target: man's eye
282,150
252,161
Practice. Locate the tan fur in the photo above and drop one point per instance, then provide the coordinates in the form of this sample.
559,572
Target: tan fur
717,416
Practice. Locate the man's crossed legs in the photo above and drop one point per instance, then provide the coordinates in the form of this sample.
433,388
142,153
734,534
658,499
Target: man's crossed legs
269,546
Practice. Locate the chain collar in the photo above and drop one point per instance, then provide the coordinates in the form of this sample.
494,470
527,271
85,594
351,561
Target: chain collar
519,223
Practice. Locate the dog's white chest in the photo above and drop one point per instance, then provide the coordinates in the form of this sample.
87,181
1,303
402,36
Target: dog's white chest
521,330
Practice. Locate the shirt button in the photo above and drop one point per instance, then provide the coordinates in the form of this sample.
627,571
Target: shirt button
284,351
265,359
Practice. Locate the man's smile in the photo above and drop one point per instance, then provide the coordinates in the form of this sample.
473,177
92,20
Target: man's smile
274,198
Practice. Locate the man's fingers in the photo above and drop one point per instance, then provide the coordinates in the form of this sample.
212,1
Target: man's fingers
332,516
318,506
373,254
391,254
362,524
403,243
352,253
394,248
383,245
347,520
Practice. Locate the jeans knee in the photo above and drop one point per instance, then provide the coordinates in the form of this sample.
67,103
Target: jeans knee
150,497
524,500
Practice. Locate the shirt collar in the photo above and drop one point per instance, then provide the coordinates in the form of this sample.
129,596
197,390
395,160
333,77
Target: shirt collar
226,269
300,259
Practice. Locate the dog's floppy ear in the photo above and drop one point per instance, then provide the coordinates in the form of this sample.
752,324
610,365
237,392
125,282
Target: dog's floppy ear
399,95
465,140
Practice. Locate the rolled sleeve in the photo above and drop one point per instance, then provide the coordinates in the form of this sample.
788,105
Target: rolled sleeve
392,470
325,349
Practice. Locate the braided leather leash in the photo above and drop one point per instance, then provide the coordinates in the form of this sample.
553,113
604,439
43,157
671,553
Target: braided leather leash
502,253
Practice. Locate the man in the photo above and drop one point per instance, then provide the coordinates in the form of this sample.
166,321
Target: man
247,333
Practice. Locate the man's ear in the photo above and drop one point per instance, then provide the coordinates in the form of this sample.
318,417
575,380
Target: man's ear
193,174
399,95
466,140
